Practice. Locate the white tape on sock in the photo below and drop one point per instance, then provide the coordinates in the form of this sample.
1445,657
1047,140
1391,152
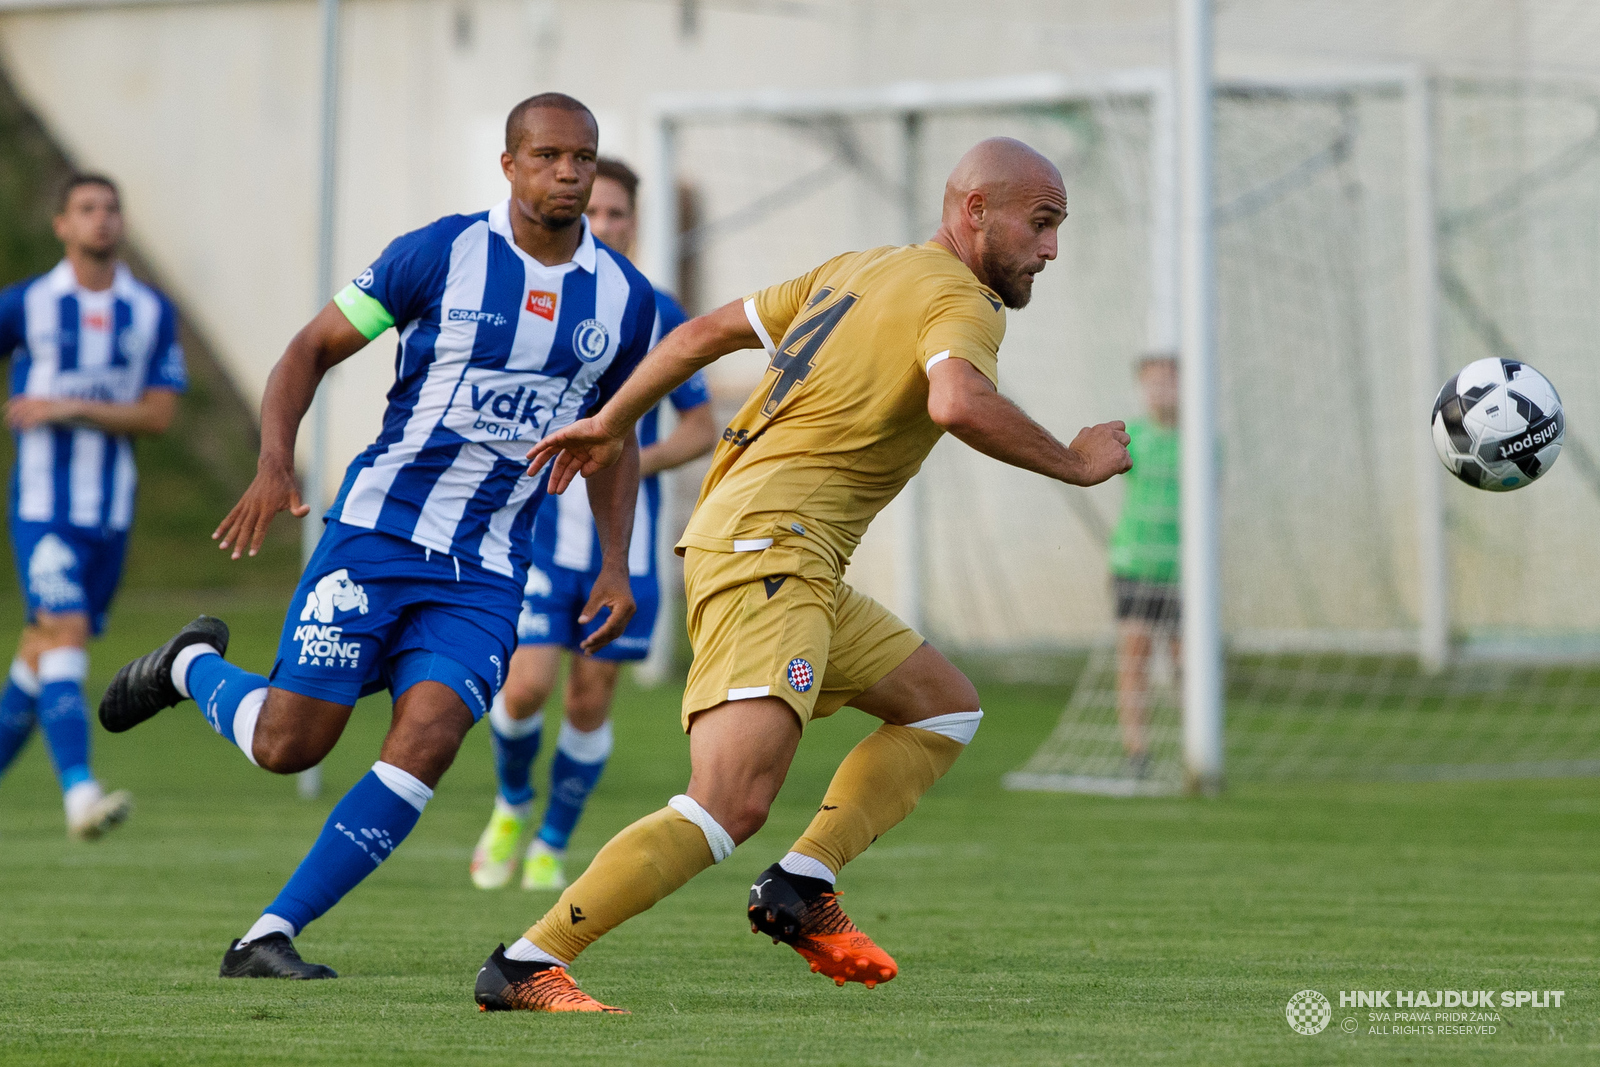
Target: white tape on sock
184,660
23,678
527,952
591,747
806,867
244,722
403,784
63,665
502,723
720,840
959,726
268,924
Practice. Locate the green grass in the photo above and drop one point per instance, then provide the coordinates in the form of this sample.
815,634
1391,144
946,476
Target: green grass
1029,928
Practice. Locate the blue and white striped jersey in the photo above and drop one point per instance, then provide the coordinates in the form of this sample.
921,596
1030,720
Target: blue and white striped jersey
496,350
564,534
66,341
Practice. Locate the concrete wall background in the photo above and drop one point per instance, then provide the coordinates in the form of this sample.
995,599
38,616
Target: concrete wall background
207,113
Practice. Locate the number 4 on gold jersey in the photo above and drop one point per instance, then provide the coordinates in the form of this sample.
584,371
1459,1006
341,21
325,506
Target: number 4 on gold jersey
800,345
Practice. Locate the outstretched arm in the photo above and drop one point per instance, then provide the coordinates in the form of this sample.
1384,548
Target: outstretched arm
612,494
591,444
325,342
965,403
151,413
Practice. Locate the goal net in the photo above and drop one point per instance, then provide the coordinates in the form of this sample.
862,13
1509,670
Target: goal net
1324,520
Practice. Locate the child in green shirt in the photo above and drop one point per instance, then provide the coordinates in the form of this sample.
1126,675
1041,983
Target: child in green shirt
1145,552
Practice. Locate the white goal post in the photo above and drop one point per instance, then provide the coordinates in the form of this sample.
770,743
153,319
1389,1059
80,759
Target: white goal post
903,112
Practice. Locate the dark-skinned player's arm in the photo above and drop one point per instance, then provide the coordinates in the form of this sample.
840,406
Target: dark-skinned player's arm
323,343
967,405
613,492
595,443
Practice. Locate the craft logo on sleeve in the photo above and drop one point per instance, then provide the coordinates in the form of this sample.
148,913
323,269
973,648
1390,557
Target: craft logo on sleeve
542,304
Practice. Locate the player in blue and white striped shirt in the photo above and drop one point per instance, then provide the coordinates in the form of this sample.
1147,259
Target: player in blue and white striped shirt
94,361
566,566
513,322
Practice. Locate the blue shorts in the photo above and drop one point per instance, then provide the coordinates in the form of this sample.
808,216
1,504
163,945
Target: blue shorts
68,568
375,611
555,597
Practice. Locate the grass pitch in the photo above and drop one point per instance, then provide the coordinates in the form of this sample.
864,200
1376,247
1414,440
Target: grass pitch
1030,929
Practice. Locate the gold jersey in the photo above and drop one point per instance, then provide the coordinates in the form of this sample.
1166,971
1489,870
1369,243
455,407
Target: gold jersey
840,422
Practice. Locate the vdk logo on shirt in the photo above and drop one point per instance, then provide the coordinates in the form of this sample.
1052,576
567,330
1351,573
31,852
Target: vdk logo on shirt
541,304
324,645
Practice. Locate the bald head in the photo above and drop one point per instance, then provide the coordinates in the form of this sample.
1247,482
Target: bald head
1000,167
1002,205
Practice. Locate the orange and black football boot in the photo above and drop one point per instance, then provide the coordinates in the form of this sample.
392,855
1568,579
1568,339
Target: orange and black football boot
513,985
804,913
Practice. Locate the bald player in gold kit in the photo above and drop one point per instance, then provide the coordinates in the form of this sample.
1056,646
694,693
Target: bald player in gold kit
875,354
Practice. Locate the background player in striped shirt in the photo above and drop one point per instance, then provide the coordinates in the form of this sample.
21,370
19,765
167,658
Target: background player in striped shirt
566,565
94,361
513,322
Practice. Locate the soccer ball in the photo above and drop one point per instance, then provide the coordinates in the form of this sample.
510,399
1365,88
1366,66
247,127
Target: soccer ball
1497,424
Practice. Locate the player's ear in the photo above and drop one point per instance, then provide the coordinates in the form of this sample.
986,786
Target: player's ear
977,206
506,161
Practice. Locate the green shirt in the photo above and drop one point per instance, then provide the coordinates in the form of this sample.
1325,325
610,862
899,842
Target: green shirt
1145,543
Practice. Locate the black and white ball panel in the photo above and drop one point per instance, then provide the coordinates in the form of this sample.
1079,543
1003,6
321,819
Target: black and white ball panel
1498,424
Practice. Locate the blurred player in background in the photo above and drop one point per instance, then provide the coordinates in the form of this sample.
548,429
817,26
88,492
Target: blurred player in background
874,355
512,322
95,361
1144,554
566,565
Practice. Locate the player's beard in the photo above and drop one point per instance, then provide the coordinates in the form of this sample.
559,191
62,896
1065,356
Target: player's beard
1010,279
558,222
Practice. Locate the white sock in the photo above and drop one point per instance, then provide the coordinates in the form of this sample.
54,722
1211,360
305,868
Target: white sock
268,924
585,746
538,845
403,784
720,840
516,811
23,677
63,665
527,952
244,722
507,727
806,867
180,665
957,726
80,798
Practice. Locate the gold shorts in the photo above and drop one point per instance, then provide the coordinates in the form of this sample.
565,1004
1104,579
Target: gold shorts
780,623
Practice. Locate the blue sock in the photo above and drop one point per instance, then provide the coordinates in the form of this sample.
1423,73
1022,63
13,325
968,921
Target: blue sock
580,759
516,746
230,697
364,828
63,715
18,712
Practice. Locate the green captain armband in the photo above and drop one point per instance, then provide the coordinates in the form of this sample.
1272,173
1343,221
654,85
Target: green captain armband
363,311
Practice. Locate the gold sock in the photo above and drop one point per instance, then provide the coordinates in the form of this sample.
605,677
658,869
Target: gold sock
643,864
875,787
